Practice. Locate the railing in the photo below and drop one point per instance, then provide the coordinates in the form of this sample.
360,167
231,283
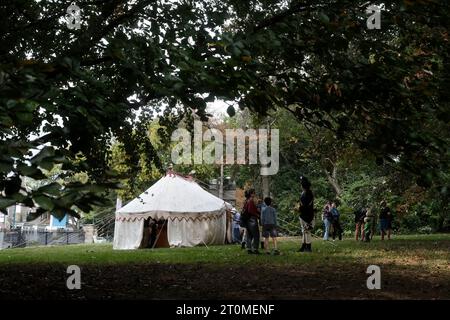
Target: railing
35,237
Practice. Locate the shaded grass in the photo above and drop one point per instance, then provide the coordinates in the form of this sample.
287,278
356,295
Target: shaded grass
427,251
413,267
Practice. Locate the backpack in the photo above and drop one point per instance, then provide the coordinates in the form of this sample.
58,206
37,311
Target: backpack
327,214
245,216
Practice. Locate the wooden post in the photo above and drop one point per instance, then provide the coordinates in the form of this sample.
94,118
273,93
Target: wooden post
159,233
221,182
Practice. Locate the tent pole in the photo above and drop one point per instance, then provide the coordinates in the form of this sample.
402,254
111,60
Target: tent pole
159,233
205,244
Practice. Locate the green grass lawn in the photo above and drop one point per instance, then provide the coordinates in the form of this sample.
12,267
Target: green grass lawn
424,250
412,267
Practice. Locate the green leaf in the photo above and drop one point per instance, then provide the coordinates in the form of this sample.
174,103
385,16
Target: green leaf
27,170
324,18
5,202
5,166
24,117
236,51
46,152
53,189
44,202
59,213
47,165
239,44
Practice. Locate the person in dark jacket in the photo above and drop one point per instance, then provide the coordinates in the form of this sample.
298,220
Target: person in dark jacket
337,229
269,226
327,219
385,220
252,224
306,214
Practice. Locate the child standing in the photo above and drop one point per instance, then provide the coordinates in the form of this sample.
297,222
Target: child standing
269,226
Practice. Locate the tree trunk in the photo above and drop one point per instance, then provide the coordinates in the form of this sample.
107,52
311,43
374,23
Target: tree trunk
332,179
265,179
265,186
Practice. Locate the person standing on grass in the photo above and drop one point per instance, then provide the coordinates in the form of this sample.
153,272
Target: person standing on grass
360,214
326,218
335,222
252,224
269,226
306,214
369,221
236,227
243,221
261,205
385,220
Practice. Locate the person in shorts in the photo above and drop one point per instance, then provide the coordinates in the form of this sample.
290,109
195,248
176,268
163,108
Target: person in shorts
269,226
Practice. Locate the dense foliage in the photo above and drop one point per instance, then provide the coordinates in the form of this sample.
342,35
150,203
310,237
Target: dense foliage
380,95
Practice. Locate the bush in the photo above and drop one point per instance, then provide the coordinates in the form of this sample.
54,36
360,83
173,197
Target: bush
348,233
425,230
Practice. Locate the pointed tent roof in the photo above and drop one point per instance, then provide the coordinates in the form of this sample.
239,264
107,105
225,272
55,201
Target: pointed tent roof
173,196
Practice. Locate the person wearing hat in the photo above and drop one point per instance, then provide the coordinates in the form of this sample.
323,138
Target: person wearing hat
306,214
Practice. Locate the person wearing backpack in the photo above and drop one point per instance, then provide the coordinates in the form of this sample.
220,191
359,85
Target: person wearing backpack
306,214
252,225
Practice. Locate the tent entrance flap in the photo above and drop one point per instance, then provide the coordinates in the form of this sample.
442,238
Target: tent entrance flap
154,234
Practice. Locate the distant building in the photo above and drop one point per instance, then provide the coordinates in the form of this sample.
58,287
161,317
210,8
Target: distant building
18,216
229,189
3,221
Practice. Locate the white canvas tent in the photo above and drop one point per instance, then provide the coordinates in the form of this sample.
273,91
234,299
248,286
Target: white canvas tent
193,215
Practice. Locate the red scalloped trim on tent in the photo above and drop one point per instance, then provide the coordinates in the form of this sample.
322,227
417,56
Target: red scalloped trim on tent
133,219
196,218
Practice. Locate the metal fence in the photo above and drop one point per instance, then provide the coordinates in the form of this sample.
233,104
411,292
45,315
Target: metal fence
35,237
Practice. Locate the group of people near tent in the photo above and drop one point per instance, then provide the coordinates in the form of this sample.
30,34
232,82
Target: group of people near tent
257,214
176,212
261,213
331,221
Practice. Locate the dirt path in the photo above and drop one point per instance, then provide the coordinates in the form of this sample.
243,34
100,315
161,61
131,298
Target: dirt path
159,281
